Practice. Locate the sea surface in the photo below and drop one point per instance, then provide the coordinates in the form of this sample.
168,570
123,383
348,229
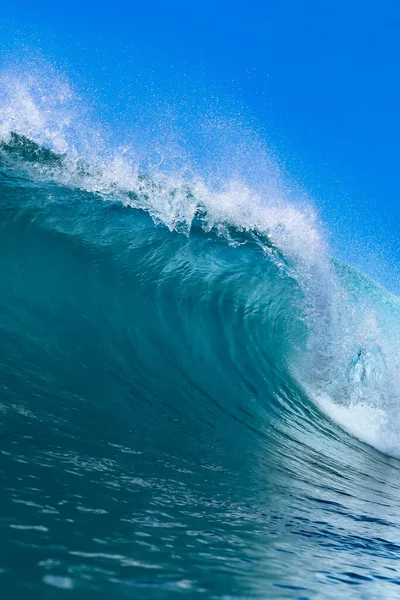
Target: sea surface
196,398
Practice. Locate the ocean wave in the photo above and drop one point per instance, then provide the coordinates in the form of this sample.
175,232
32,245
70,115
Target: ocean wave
182,366
345,357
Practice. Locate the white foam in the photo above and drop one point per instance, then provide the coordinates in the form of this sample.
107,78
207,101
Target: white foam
370,424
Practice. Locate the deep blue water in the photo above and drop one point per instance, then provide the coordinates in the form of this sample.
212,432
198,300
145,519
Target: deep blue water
195,399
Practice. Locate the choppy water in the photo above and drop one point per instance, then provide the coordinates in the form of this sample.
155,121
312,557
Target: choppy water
195,398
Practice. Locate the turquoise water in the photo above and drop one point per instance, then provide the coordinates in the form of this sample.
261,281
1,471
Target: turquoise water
196,399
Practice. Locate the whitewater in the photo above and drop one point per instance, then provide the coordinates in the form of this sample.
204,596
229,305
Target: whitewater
197,397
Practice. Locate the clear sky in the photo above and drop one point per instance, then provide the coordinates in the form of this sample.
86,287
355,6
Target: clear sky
319,79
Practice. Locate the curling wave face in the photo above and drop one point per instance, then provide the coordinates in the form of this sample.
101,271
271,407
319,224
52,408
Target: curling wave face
176,361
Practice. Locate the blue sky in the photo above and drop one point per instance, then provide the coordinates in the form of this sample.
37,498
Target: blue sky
319,79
